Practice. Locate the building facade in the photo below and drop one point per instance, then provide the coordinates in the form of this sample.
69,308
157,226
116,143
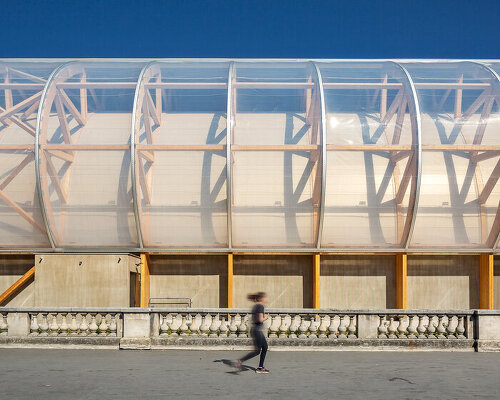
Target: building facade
326,183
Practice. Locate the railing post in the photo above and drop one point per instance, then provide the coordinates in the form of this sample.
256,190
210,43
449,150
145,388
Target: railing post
230,280
145,280
316,282
401,274
486,281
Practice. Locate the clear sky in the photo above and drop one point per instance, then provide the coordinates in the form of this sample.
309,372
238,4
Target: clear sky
251,28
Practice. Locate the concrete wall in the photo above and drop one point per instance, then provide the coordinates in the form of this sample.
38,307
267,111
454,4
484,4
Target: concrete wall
445,282
203,279
83,280
347,281
286,279
12,267
357,282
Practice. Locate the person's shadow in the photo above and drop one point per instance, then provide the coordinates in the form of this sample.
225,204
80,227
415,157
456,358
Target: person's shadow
236,371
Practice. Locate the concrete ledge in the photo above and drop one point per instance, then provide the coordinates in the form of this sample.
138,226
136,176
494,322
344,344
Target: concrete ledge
135,344
208,343
488,345
59,342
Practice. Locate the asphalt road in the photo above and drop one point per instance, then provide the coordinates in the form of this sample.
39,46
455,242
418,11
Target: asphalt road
113,374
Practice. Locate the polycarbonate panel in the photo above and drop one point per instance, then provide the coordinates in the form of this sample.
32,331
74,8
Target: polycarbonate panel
495,67
371,155
459,195
21,86
84,152
180,136
276,155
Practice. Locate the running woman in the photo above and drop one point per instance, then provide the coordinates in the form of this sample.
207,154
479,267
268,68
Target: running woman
256,332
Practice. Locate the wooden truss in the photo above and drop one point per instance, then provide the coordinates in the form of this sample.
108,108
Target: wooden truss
19,109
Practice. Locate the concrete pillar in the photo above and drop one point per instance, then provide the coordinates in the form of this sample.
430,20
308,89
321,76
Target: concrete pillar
19,324
368,326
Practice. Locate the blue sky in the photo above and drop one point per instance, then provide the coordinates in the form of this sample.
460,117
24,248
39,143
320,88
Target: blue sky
244,28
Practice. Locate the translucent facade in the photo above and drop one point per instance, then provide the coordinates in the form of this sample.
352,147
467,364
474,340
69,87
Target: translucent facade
250,155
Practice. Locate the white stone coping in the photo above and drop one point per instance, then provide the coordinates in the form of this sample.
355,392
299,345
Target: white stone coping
136,310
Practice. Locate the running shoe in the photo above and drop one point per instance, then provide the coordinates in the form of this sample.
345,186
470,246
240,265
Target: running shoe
262,370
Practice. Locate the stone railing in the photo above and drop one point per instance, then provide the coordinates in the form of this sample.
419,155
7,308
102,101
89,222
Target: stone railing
74,323
419,325
230,328
283,325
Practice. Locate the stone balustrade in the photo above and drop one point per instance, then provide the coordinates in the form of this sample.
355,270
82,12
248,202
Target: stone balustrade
73,324
282,325
285,328
423,326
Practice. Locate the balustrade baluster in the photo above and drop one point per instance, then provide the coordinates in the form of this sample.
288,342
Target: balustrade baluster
421,328
461,327
84,327
242,329
323,326
73,326
450,328
233,326
44,326
205,326
223,328
184,326
295,321
313,327
304,326
164,327
412,329
103,327
440,328
64,325
285,325
391,329
401,328
382,327
34,325
175,325
342,328
214,326
352,327
54,327
195,323
431,328
93,325
332,328
274,326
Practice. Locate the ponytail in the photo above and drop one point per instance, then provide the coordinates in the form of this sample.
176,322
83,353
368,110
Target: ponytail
255,297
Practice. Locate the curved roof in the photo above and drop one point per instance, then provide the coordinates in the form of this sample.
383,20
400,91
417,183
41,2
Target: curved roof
249,155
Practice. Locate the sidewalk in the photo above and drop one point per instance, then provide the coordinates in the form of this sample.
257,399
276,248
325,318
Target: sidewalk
111,374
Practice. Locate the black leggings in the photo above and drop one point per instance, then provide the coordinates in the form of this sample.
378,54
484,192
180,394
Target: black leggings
260,343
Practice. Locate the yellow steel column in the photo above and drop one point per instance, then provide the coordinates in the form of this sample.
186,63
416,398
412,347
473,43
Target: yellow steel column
145,280
486,281
316,275
230,280
401,273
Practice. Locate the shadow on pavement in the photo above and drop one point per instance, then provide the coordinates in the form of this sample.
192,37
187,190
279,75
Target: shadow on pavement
236,371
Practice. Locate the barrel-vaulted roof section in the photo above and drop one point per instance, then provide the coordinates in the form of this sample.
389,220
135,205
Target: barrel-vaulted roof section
250,155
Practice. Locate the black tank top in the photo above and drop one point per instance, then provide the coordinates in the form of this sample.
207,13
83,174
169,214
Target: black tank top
256,310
